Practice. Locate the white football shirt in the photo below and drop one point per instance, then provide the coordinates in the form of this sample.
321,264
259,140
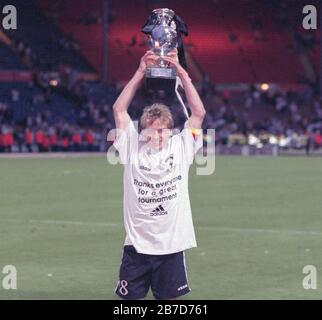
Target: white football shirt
156,205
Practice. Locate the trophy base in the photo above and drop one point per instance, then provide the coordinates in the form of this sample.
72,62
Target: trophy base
160,78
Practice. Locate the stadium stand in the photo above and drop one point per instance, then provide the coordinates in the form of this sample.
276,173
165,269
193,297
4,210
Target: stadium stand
247,45
48,47
57,110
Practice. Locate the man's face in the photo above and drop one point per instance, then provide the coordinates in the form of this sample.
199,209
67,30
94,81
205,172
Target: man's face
156,134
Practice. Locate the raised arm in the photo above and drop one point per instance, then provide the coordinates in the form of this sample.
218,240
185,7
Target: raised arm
198,111
123,101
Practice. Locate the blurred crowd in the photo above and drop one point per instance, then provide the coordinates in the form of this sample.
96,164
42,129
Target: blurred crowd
51,123
257,116
59,111
265,115
37,135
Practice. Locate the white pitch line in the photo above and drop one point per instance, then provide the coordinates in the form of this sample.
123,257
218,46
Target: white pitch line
67,222
99,224
246,230
113,225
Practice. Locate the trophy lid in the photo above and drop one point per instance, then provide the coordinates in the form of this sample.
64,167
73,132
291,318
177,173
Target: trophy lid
164,12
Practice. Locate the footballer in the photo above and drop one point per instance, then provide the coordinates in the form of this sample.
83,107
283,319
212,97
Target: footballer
156,205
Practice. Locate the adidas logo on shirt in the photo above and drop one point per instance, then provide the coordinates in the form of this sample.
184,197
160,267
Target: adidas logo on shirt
158,211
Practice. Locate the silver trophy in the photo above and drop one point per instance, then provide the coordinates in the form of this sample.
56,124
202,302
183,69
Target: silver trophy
162,40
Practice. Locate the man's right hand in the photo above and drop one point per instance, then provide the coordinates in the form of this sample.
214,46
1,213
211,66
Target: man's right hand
123,101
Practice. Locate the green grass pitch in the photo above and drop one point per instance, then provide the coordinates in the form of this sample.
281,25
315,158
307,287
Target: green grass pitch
258,223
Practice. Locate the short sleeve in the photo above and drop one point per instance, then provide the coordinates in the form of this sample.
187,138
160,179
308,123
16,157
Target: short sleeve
191,140
125,142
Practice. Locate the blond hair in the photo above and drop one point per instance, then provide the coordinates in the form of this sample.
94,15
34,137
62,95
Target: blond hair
156,111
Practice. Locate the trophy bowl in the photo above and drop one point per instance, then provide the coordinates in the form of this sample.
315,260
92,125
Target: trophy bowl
162,40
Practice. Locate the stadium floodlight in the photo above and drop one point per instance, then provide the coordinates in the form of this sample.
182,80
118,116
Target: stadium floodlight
53,82
264,86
